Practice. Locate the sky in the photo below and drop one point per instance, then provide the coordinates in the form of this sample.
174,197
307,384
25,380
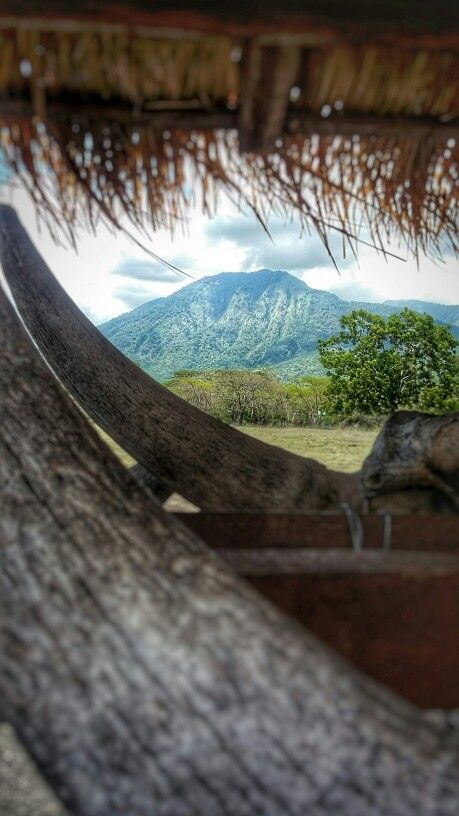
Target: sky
111,275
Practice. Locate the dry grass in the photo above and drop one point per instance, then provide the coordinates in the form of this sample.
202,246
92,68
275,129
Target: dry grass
338,448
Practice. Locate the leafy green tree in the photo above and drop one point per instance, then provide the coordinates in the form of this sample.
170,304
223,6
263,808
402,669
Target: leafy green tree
378,365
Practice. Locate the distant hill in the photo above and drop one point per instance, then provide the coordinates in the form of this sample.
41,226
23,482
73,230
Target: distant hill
251,320
441,313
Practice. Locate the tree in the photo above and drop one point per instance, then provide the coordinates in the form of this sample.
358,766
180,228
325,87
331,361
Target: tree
250,396
307,400
194,387
378,365
255,397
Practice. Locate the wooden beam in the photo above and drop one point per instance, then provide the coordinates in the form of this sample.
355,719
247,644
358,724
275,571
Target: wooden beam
268,74
368,125
278,81
322,531
435,23
284,561
91,110
250,81
168,116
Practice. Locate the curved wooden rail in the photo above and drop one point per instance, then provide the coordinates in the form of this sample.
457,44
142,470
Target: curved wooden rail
144,677
188,451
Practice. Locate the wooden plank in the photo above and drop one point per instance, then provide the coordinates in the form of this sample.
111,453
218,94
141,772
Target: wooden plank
393,613
402,629
427,532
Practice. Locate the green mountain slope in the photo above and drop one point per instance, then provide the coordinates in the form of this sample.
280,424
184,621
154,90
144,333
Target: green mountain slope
236,320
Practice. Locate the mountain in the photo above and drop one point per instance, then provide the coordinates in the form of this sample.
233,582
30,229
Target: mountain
252,320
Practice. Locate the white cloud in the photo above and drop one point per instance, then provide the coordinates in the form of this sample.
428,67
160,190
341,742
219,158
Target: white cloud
353,290
110,274
286,246
392,279
144,270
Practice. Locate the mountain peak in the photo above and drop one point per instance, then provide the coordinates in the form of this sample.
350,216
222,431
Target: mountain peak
281,276
255,282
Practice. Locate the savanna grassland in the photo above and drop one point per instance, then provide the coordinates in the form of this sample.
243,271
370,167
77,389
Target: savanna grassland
337,448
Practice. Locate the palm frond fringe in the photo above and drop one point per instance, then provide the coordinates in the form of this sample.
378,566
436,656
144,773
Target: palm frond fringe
402,193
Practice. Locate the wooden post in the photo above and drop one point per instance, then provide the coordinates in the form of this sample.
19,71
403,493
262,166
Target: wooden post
267,77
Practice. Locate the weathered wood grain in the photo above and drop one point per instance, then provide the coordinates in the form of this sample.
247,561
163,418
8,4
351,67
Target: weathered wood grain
144,677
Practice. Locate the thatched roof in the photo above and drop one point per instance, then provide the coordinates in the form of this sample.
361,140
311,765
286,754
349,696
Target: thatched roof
346,121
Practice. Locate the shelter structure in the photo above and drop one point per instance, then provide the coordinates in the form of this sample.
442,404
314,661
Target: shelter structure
316,109
139,671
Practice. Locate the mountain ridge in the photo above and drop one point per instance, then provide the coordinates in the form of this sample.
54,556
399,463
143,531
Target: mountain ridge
261,319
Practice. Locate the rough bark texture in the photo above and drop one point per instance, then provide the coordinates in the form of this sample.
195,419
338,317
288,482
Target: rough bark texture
144,677
188,451
414,463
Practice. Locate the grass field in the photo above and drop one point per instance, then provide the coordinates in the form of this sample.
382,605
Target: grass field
338,448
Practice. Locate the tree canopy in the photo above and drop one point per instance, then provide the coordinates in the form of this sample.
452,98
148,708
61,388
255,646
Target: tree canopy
377,365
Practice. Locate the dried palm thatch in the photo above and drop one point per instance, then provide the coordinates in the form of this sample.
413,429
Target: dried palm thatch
378,78
95,123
